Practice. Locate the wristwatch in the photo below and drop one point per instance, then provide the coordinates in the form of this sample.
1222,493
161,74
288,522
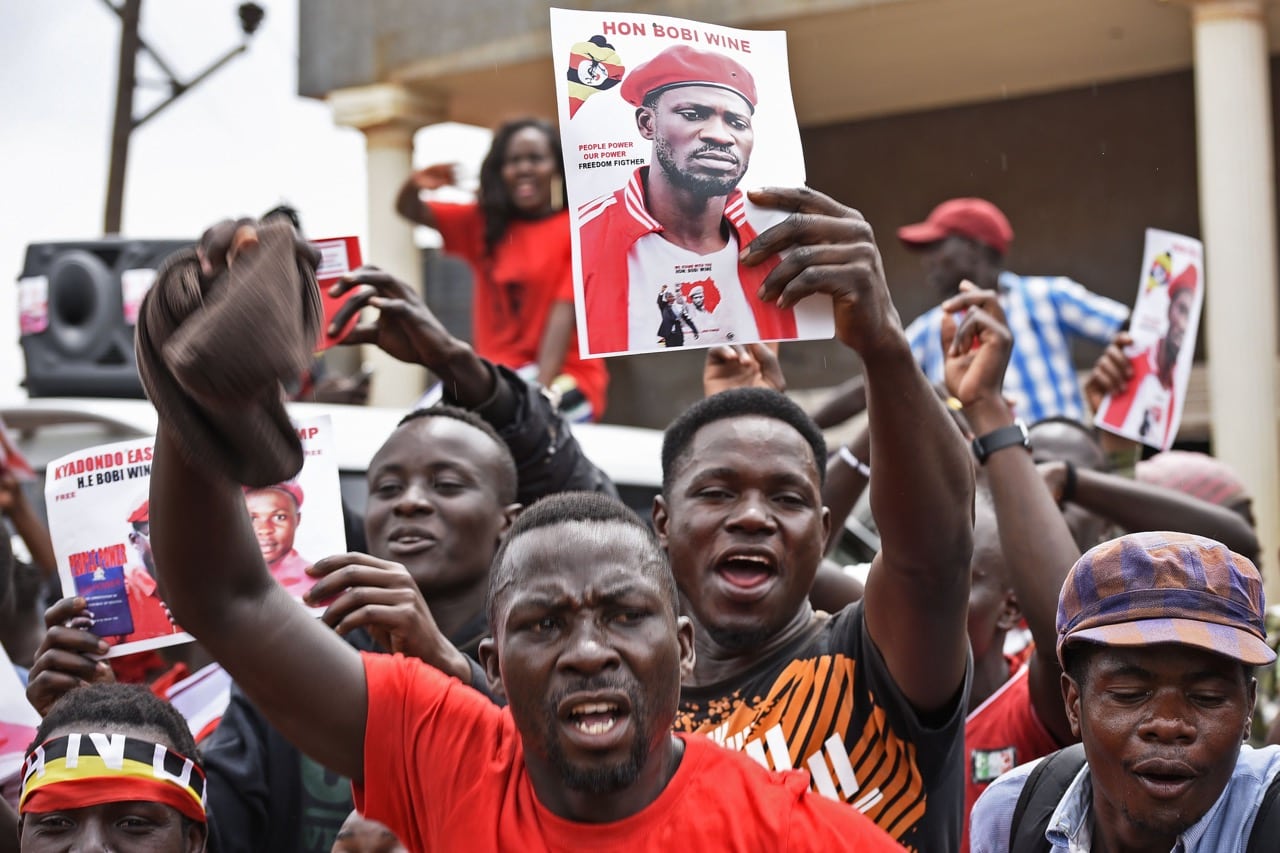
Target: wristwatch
998,439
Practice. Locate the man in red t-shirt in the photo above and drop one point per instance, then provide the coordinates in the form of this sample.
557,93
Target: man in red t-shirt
588,650
587,647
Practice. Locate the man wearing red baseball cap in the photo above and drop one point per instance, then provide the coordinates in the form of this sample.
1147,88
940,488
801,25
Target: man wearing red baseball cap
682,221
967,239
1147,404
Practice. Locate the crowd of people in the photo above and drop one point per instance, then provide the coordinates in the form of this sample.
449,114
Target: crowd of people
1053,647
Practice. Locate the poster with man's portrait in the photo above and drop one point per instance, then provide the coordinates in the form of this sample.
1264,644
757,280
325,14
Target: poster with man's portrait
666,124
1164,323
100,522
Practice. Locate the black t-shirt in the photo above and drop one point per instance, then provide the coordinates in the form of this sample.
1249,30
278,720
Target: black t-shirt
827,704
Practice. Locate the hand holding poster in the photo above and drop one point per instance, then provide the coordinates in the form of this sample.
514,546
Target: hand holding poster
656,167
99,519
1163,327
338,256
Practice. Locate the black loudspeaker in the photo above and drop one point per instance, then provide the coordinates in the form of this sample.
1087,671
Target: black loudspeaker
77,307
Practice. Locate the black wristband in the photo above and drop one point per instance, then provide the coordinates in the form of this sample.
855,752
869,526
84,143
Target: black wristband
1069,485
998,439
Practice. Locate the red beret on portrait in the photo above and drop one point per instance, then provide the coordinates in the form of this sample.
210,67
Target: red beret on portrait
1185,282
686,66
288,487
142,514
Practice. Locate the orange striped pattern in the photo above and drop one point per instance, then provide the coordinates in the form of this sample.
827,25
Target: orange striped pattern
808,720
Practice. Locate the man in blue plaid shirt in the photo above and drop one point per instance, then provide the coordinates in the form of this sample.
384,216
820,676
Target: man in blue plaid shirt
966,239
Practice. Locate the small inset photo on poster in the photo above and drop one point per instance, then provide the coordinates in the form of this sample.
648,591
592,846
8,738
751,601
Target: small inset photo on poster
100,521
1166,317
665,125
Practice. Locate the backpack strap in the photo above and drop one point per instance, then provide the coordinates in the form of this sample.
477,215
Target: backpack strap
1040,797
1266,823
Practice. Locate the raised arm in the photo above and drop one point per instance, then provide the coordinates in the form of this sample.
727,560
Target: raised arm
554,344
1086,314
1036,543
304,678
1139,506
922,491
14,504
410,205
548,457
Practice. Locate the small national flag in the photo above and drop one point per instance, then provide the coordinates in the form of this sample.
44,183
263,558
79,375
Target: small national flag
594,66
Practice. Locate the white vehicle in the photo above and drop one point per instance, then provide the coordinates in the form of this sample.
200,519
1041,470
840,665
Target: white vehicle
47,428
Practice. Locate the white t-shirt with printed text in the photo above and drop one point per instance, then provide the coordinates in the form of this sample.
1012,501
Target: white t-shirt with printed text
653,262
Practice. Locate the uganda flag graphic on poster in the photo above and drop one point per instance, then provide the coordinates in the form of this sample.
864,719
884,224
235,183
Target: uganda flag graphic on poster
594,66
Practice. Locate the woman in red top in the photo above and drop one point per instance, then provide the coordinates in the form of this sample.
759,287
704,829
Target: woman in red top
515,237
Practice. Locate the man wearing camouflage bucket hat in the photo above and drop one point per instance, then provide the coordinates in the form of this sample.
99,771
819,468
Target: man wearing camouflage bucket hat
1158,634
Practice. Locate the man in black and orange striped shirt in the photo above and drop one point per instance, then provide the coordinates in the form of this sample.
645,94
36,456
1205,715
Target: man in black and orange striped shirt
871,700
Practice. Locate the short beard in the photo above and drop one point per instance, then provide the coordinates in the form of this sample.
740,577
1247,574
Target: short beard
707,186
598,780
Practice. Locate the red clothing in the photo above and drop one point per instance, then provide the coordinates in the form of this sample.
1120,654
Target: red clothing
171,676
150,619
137,668
444,770
612,224
1000,734
291,573
531,270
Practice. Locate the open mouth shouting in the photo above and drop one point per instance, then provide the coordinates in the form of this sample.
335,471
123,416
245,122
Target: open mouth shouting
595,721
747,574
594,718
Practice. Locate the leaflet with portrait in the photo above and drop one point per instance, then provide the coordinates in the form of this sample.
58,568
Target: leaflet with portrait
1164,323
99,518
666,124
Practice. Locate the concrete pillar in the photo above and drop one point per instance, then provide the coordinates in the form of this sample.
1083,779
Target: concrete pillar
388,115
1237,215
